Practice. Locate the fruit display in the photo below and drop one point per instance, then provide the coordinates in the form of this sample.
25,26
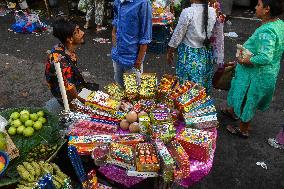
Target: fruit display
31,172
25,122
41,152
49,133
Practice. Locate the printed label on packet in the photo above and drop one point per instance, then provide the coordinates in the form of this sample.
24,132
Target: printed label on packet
121,164
142,174
202,119
90,139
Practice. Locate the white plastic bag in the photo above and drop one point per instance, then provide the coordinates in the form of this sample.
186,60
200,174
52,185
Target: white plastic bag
3,123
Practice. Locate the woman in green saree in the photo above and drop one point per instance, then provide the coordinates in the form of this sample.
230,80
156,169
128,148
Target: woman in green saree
255,78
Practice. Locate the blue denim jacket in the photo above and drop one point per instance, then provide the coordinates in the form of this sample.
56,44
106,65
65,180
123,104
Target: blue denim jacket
133,22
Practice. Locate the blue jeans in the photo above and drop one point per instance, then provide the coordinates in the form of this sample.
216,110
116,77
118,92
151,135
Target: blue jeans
119,70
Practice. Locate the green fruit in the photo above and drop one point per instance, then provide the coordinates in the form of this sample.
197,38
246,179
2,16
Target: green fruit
40,113
29,131
37,125
42,120
16,123
20,129
10,121
34,116
2,135
29,123
3,144
12,131
24,117
25,112
15,115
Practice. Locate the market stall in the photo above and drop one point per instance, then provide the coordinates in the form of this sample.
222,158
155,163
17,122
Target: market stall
159,131
166,131
163,19
29,140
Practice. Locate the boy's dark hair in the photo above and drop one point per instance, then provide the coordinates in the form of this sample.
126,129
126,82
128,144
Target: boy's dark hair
205,21
276,7
62,29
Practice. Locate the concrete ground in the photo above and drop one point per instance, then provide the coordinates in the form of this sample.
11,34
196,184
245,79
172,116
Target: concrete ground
22,83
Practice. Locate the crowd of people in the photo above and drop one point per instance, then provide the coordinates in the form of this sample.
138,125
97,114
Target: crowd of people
199,40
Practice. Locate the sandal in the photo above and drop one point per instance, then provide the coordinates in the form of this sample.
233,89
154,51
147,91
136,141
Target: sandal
227,113
236,131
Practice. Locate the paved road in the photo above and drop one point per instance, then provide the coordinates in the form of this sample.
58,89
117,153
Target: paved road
22,83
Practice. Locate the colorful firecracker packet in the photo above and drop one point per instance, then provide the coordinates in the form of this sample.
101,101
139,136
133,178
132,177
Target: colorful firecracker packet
144,105
86,127
141,174
146,158
201,119
115,91
148,86
92,180
102,99
197,143
195,105
181,89
102,186
164,131
166,85
126,106
160,115
187,94
93,110
167,161
193,94
85,144
181,158
131,85
129,139
202,103
144,124
208,110
122,155
206,125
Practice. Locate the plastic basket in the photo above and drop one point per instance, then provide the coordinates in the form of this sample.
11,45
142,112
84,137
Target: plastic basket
7,160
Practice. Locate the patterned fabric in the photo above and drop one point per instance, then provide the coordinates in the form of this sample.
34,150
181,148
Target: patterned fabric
133,23
91,6
190,29
195,64
70,72
253,87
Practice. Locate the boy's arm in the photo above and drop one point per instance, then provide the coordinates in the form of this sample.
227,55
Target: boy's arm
145,18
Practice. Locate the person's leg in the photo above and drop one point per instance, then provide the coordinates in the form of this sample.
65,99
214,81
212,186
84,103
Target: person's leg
24,6
118,73
99,13
181,71
89,13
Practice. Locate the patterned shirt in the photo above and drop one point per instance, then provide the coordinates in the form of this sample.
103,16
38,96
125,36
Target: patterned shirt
133,22
190,29
70,73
